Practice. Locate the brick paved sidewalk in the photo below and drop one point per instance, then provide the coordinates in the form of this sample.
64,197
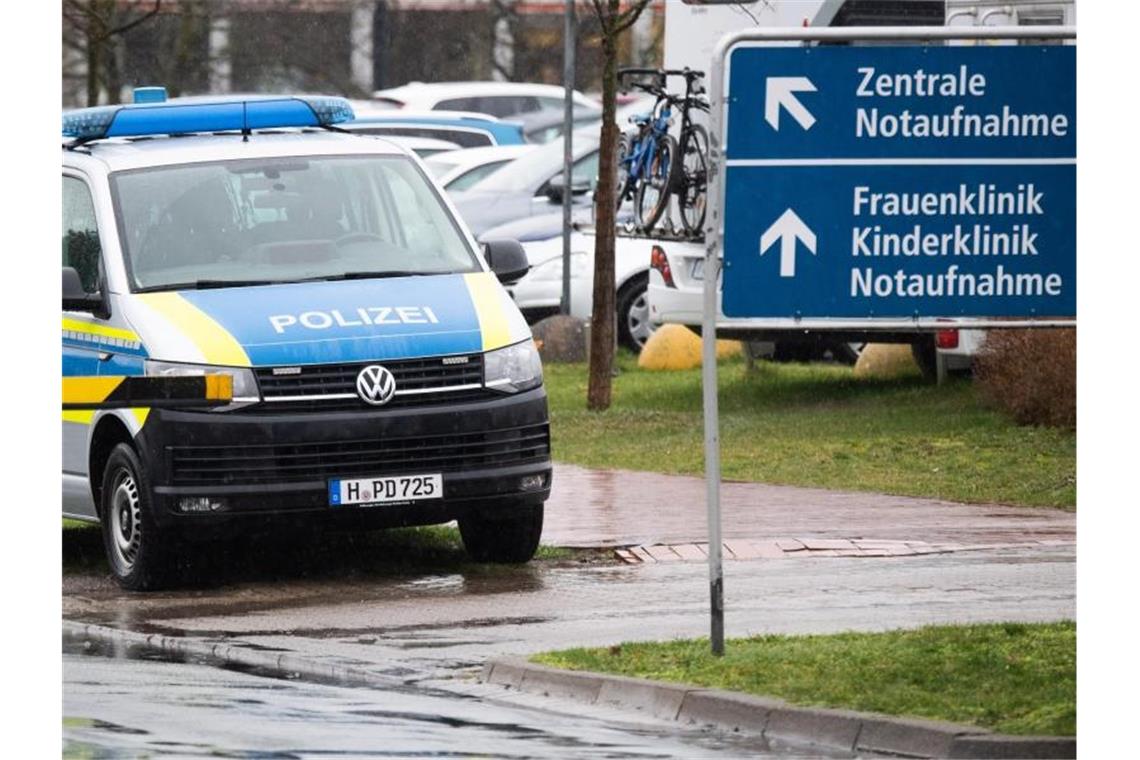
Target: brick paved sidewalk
623,508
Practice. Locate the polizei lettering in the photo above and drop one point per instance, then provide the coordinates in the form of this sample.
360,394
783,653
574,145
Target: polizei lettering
362,317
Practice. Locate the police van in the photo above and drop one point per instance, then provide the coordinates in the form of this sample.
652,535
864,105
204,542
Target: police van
381,375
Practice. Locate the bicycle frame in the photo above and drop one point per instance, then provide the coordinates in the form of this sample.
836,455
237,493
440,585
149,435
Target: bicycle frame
643,148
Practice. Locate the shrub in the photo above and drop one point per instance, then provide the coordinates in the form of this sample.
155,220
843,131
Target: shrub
1031,374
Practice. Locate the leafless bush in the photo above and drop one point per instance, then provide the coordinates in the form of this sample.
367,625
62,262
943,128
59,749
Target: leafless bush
1032,375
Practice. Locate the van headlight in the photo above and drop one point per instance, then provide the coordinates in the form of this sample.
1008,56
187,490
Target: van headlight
245,385
512,369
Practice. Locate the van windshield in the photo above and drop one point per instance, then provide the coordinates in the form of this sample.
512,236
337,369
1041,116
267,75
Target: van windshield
256,221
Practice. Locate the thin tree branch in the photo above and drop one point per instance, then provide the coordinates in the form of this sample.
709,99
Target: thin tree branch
132,24
603,17
629,18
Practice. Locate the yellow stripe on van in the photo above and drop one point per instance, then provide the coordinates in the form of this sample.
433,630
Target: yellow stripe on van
75,325
213,340
79,416
86,416
485,294
89,390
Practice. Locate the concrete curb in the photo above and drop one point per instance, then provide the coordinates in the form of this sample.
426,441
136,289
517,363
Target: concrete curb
283,664
773,718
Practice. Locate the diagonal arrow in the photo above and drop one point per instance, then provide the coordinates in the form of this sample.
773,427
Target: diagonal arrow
780,91
788,229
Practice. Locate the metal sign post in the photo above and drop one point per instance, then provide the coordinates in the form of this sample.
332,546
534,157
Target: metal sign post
885,187
569,45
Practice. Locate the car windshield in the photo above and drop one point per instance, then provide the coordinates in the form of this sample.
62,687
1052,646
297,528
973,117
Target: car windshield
283,220
527,172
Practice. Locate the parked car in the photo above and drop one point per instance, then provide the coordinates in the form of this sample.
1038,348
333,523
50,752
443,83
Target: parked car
543,126
467,130
530,185
546,226
538,294
380,373
422,146
502,99
676,295
460,169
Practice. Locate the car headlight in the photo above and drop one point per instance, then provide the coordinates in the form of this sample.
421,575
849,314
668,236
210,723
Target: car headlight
245,385
552,269
513,369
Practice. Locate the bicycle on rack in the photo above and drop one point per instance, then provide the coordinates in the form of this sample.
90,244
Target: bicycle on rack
652,165
691,186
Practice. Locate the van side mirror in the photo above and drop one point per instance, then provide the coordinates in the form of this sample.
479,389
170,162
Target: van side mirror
75,298
507,259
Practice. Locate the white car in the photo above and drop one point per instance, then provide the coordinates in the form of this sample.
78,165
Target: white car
676,295
539,293
460,169
502,99
422,146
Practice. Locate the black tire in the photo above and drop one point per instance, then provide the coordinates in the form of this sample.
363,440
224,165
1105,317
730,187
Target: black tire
142,557
925,355
794,351
654,190
634,327
510,538
692,190
843,353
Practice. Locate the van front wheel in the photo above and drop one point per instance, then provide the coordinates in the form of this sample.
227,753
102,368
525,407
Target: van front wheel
141,556
508,538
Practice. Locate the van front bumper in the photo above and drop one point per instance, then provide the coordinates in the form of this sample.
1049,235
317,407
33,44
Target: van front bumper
251,463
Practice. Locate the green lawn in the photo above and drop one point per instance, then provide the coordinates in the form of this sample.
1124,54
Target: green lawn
816,425
1011,678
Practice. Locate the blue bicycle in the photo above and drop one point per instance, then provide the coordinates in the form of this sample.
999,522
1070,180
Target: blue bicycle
647,166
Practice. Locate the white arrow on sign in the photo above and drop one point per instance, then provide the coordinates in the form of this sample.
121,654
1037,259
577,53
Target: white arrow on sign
788,229
780,91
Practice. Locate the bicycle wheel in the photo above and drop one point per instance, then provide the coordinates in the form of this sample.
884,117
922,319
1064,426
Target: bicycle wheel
654,191
621,173
692,195
621,184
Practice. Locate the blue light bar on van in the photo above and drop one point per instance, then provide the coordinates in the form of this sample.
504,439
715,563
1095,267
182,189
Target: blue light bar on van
172,117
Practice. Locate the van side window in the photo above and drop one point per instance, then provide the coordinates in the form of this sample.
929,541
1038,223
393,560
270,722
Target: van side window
80,233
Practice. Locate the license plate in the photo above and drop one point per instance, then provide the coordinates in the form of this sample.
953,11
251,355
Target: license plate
401,489
698,272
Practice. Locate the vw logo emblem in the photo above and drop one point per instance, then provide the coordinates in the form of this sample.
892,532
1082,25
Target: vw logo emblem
376,385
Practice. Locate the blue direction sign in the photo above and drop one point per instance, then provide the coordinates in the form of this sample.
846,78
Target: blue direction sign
904,182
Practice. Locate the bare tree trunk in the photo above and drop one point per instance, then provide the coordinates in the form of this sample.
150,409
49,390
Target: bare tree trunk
602,321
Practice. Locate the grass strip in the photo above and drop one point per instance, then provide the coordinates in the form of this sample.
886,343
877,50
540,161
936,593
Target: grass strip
816,425
1012,678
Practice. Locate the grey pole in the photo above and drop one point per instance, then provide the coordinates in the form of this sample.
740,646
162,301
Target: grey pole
568,43
708,361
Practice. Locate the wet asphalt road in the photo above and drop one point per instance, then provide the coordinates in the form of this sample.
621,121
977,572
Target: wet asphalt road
118,708
430,629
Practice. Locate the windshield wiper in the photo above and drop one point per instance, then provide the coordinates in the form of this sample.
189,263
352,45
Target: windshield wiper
210,284
375,275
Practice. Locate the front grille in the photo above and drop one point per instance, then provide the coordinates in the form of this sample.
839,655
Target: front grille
281,463
441,380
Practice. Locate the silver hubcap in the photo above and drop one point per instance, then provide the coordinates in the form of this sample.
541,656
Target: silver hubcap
126,528
637,320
